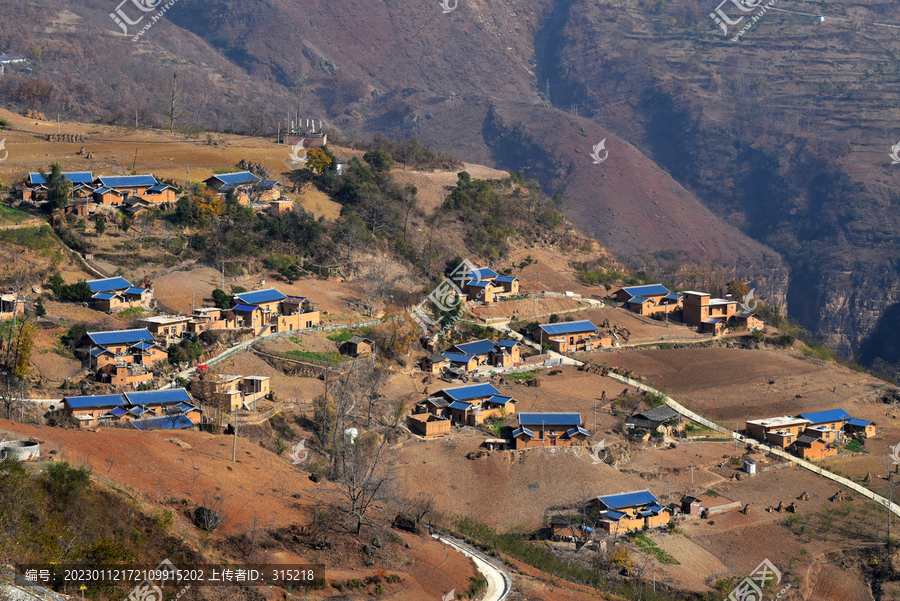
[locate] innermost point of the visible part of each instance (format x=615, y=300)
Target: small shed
x=691, y=506
x=434, y=364
x=359, y=346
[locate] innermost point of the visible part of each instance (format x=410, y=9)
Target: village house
x=663, y=419
x=211, y=318
x=691, y=506
x=435, y=364
x=468, y=405
x=568, y=336
x=11, y=304
x=648, y=299
x=630, y=511
x=159, y=194
x=166, y=328
x=35, y=187
x=112, y=408
x=125, y=376
x=127, y=185
x=124, y=346
x=246, y=184
x=487, y=286
x=270, y=311
x=229, y=391
x=502, y=354
x=461, y=361
x=777, y=431
x=827, y=425
x=812, y=447
x=549, y=429
x=106, y=196
x=707, y=314
x=117, y=294
x=860, y=428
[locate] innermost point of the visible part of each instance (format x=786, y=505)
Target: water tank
x=22, y=450
x=750, y=467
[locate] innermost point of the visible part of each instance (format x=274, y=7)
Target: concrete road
x=499, y=582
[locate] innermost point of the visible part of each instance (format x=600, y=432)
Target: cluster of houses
x=698, y=309
x=484, y=285
x=150, y=410
x=810, y=435
x=134, y=194
x=472, y=405
x=122, y=358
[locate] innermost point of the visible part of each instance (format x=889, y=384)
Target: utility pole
x=234, y=447
x=595, y=418
x=187, y=179
x=223, y=274
x=692, y=476
x=134, y=162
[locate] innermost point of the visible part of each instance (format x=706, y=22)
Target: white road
x=499, y=581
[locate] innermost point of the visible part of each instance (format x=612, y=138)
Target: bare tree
x=367, y=471
x=250, y=535
x=174, y=112
x=373, y=287
x=209, y=516
x=580, y=521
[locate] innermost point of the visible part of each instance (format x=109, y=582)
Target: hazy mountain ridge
x=772, y=152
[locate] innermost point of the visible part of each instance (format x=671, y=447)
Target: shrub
x=757, y=335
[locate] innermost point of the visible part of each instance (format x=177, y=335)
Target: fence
x=893, y=507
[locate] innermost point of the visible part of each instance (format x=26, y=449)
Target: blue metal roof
x=236, y=178
x=127, y=181
x=267, y=183
x=569, y=327
x=120, y=337
x=185, y=407
x=821, y=417
x=243, y=308
x=140, y=410
x=479, y=347
x=483, y=273
x=577, y=430
x=519, y=431
x=638, y=300
x=135, y=291
x=260, y=296
x=76, y=177
x=107, y=284
x=615, y=515
x=550, y=419
x=117, y=412
x=105, y=190
x=475, y=391
x=673, y=296
x=104, y=296
x=163, y=423
x=505, y=279
x=648, y=290
x=103, y=400
x=508, y=343
x=629, y=499
x=155, y=397
x=500, y=400
x=858, y=422
x=159, y=188
x=143, y=346
x=484, y=284
x=457, y=357
x=461, y=406
x=99, y=351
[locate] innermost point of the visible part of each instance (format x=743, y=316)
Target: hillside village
x=526, y=374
